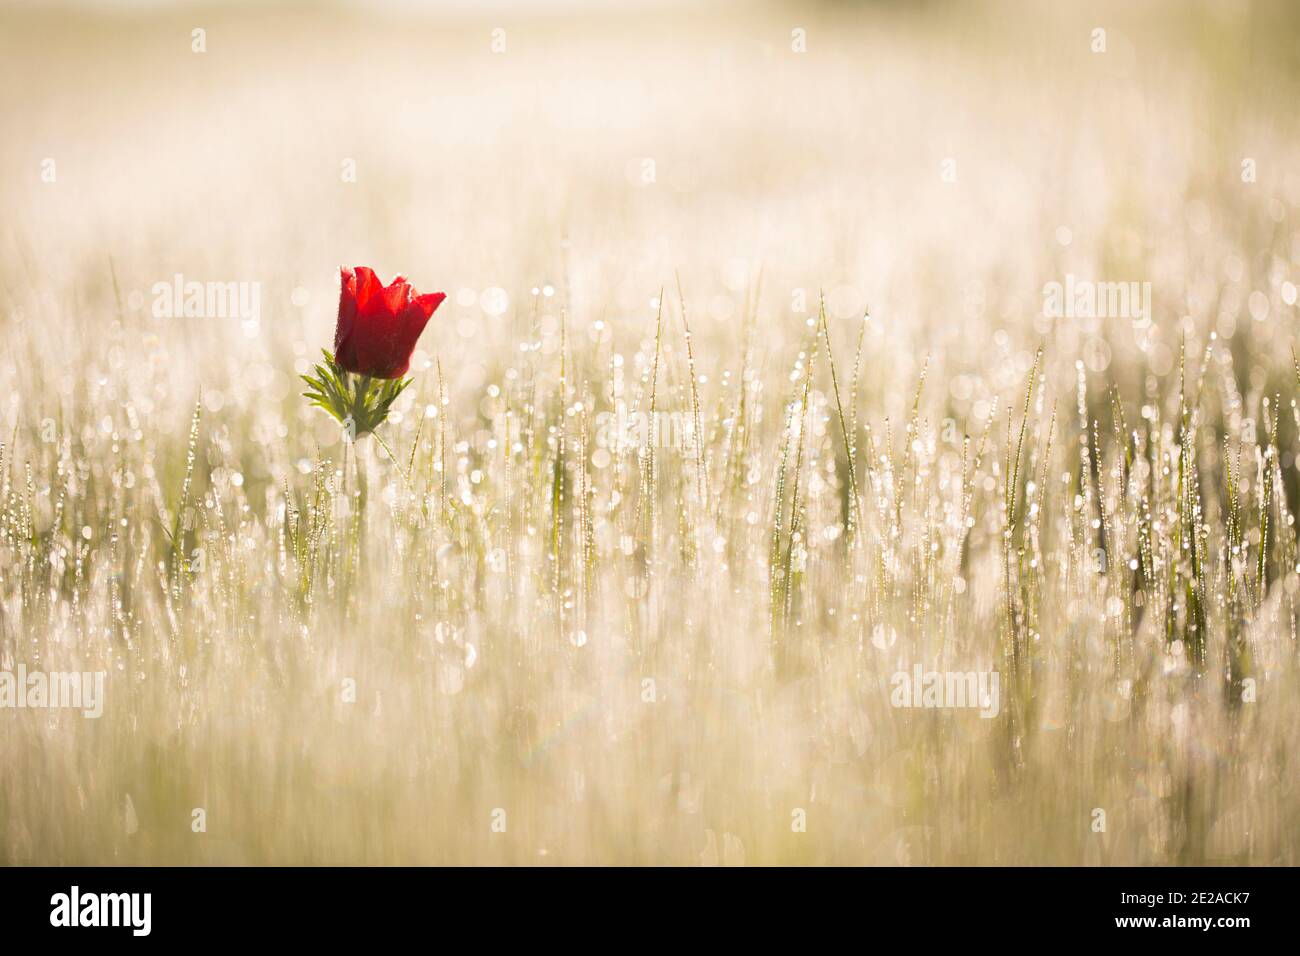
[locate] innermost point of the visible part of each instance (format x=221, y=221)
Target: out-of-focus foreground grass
x=677, y=651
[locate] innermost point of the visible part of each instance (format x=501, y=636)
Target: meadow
x=747, y=396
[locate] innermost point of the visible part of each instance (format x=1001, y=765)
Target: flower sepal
x=359, y=403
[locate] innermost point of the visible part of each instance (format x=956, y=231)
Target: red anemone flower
x=379, y=325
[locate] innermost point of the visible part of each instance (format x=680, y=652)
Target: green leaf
x=364, y=400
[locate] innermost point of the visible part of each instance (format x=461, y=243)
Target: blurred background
x=936, y=161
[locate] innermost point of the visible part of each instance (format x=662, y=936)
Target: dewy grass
x=345, y=653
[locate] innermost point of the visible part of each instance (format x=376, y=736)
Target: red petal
x=410, y=324
x=367, y=287
x=397, y=295
x=379, y=326
x=347, y=316
x=430, y=302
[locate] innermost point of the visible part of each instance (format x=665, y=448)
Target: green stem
x=359, y=392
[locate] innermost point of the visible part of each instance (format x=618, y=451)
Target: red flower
x=379, y=326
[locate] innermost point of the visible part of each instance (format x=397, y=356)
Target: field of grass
x=818, y=274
